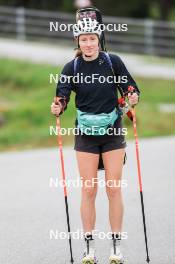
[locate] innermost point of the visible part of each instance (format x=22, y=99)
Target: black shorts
x=103, y=143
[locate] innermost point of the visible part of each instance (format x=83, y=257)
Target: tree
x=165, y=9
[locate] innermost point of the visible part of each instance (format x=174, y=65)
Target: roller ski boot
x=89, y=258
x=89, y=253
x=116, y=256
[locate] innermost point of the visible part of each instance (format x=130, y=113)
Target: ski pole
x=131, y=90
x=59, y=138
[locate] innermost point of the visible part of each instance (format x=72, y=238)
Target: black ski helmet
x=94, y=14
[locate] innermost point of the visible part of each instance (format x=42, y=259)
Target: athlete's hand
x=55, y=109
x=133, y=99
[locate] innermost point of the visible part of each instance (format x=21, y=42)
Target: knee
x=89, y=192
x=113, y=192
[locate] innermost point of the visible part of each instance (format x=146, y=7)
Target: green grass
x=26, y=95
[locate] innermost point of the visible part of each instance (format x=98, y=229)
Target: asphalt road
x=61, y=54
x=31, y=210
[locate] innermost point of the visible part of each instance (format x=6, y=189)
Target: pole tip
x=148, y=259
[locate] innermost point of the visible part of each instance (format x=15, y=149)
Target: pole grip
x=57, y=102
x=131, y=90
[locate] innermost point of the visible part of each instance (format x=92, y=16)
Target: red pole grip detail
x=131, y=89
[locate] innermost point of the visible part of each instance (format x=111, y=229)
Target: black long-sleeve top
x=94, y=97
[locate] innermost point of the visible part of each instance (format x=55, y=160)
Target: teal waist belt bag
x=95, y=124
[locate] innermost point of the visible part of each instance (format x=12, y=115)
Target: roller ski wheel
x=114, y=260
x=89, y=259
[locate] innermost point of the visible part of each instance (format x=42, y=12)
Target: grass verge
x=26, y=95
